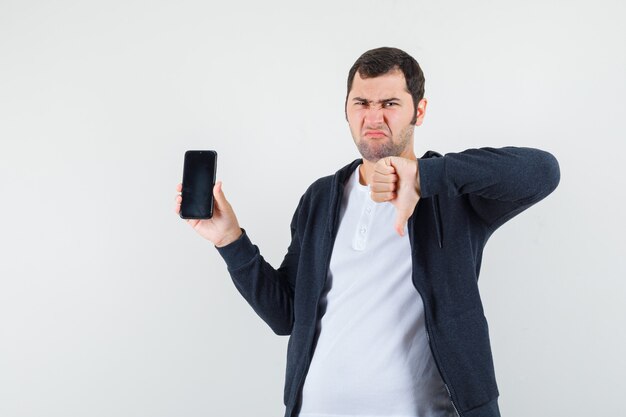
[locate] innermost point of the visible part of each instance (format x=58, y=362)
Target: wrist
x=229, y=238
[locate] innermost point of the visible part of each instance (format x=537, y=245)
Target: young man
x=378, y=289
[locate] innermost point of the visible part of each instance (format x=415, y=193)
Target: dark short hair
x=380, y=61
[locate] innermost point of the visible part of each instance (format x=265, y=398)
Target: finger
x=383, y=166
x=381, y=187
x=179, y=200
x=382, y=197
x=179, y=187
x=378, y=177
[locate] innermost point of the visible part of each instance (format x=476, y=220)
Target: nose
x=374, y=115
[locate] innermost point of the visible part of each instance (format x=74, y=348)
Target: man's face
x=380, y=111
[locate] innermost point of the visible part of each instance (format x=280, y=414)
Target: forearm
x=504, y=174
x=497, y=183
x=266, y=289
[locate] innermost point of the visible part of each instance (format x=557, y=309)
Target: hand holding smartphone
x=199, y=172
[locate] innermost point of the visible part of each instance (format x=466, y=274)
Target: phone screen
x=198, y=181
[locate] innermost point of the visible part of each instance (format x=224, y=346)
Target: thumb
x=401, y=221
x=220, y=198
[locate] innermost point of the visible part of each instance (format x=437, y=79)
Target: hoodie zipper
x=451, y=400
x=430, y=342
x=332, y=235
x=300, y=385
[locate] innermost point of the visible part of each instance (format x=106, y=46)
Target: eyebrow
x=379, y=101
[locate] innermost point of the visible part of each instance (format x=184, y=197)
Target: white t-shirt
x=372, y=357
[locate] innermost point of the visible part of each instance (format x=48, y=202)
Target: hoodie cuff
x=432, y=176
x=239, y=252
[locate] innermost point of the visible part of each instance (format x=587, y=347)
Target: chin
x=375, y=153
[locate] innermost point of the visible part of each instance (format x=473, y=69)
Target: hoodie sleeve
x=499, y=182
x=269, y=291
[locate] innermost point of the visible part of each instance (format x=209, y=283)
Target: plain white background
x=110, y=305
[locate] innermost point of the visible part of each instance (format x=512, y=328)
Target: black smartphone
x=198, y=180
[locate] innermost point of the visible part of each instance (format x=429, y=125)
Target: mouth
x=375, y=133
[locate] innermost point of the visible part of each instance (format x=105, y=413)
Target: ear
x=420, y=111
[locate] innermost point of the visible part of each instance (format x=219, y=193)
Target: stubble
x=375, y=149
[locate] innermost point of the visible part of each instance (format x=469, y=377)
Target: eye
x=390, y=103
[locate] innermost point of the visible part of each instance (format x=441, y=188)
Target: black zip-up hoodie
x=465, y=197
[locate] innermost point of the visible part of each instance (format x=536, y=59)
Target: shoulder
x=324, y=191
x=321, y=186
x=327, y=186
